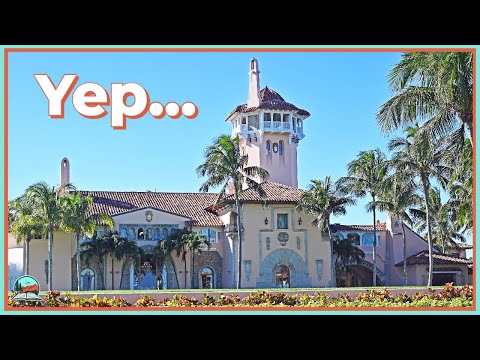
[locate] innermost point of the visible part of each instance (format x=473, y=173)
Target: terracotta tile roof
x=438, y=259
x=446, y=269
x=269, y=100
x=463, y=246
x=339, y=227
x=191, y=205
x=274, y=192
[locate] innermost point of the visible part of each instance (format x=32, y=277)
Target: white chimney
x=64, y=171
x=254, y=84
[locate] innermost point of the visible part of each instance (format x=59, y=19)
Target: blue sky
x=342, y=91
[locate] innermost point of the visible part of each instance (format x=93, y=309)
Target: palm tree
x=442, y=217
x=24, y=224
x=420, y=157
x=79, y=221
x=347, y=252
x=434, y=87
x=323, y=199
x=95, y=249
x=163, y=252
x=46, y=201
x=224, y=163
x=115, y=245
x=366, y=175
x=180, y=247
x=131, y=253
x=399, y=197
x=460, y=187
x=195, y=244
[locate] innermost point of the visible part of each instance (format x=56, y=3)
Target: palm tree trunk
x=113, y=283
x=404, y=254
x=193, y=270
x=374, y=254
x=100, y=274
x=50, y=258
x=122, y=277
x=77, y=241
x=239, y=233
x=333, y=274
x=174, y=271
x=185, y=270
x=429, y=231
x=27, y=256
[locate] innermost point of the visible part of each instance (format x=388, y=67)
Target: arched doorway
x=87, y=279
x=207, y=278
x=282, y=276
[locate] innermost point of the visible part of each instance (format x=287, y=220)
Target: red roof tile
x=274, y=192
x=191, y=205
x=339, y=227
x=438, y=259
x=269, y=100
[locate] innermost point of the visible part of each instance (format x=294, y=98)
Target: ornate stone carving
x=283, y=238
x=247, y=269
x=149, y=215
x=267, y=242
x=298, y=242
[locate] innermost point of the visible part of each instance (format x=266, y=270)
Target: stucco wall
x=63, y=244
x=300, y=253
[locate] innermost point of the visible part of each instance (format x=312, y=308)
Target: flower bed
x=449, y=296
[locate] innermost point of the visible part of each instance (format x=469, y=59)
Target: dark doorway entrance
x=282, y=276
x=440, y=279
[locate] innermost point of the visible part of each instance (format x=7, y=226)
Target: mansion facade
x=281, y=246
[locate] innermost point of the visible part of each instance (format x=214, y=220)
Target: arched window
x=252, y=64
x=367, y=239
x=149, y=234
x=87, y=279
x=355, y=237
x=268, y=147
x=207, y=278
x=280, y=148
x=123, y=232
x=156, y=234
x=140, y=234
x=131, y=233
x=164, y=233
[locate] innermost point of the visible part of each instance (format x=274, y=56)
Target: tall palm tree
x=366, y=175
x=95, y=249
x=419, y=156
x=195, y=244
x=79, y=221
x=180, y=247
x=433, y=87
x=224, y=163
x=399, y=197
x=46, y=201
x=24, y=224
x=442, y=217
x=347, y=252
x=323, y=199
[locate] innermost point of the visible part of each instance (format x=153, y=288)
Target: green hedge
x=449, y=296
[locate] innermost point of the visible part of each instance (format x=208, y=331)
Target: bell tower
x=270, y=130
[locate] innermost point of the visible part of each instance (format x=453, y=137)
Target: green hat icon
x=26, y=288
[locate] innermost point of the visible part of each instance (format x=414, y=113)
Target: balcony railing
x=286, y=125
x=277, y=124
x=267, y=124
